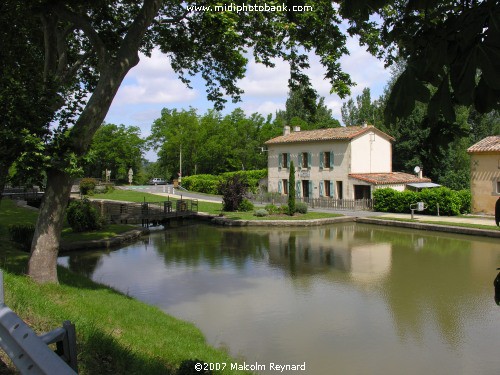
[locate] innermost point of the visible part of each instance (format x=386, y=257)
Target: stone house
x=341, y=163
x=485, y=174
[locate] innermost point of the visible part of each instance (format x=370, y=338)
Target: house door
x=305, y=189
x=340, y=190
x=362, y=192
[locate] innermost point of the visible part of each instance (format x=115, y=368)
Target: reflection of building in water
x=347, y=247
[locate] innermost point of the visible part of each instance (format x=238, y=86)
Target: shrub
x=87, y=186
x=245, y=206
x=82, y=216
x=450, y=202
x=261, y=212
x=301, y=207
x=283, y=209
x=22, y=234
x=272, y=209
x=251, y=177
x=233, y=191
x=202, y=183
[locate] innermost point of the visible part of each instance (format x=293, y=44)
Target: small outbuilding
x=485, y=174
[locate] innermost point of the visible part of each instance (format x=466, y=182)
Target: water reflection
x=356, y=291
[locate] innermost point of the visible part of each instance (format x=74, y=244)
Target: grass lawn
x=451, y=224
x=115, y=333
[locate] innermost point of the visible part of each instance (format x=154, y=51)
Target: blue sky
x=152, y=85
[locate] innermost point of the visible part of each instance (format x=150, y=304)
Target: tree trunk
x=45, y=247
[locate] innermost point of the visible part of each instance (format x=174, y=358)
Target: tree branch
x=83, y=23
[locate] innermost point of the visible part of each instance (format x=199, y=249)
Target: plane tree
x=96, y=43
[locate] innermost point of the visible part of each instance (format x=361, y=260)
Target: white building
x=342, y=163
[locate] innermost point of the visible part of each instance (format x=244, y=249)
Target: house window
x=284, y=160
x=304, y=160
x=498, y=186
x=285, y=187
x=326, y=159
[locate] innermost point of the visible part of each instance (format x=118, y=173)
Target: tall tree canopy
x=116, y=148
x=452, y=45
x=96, y=43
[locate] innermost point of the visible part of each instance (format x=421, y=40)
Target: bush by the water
x=301, y=208
x=233, y=191
x=451, y=202
x=22, y=234
x=83, y=217
x=261, y=212
x=87, y=186
x=245, y=206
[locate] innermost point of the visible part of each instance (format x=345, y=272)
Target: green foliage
x=22, y=234
x=450, y=202
x=87, y=186
x=245, y=206
x=252, y=177
x=202, y=183
x=116, y=148
x=261, y=212
x=82, y=216
x=301, y=207
x=272, y=209
x=233, y=191
x=291, y=190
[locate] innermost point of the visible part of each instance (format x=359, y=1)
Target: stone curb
x=431, y=227
x=104, y=243
x=282, y=223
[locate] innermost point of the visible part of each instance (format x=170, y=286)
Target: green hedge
x=209, y=184
x=451, y=202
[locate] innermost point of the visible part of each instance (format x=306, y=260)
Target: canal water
x=343, y=299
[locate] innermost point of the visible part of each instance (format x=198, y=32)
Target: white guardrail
x=30, y=353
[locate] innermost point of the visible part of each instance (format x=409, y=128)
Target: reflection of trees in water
x=84, y=263
x=430, y=280
x=197, y=244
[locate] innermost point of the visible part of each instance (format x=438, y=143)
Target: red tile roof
x=388, y=178
x=341, y=133
x=488, y=144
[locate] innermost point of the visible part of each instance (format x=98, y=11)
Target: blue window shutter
x=310, y=189
x=309, y=157
x=321, y=160
x=331, y=189
x=280, y=160
x=321, y=183
x=297, y=189
x=280, y=186
x=299, y=160
x=288, y=160
x=331, y=160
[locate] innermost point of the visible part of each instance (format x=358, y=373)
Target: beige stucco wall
x=377, y=158
x=371, y=153
x=485, y=173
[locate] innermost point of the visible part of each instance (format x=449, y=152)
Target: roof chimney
x=296, y=128
x=365, y=124
x=286, y=130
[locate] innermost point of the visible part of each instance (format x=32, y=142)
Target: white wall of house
x=371, y=153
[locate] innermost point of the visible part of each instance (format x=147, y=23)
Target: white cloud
x=261, y=81
x=153, y=81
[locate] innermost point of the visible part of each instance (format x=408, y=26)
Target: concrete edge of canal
x=432, y=227
x=104, y=243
